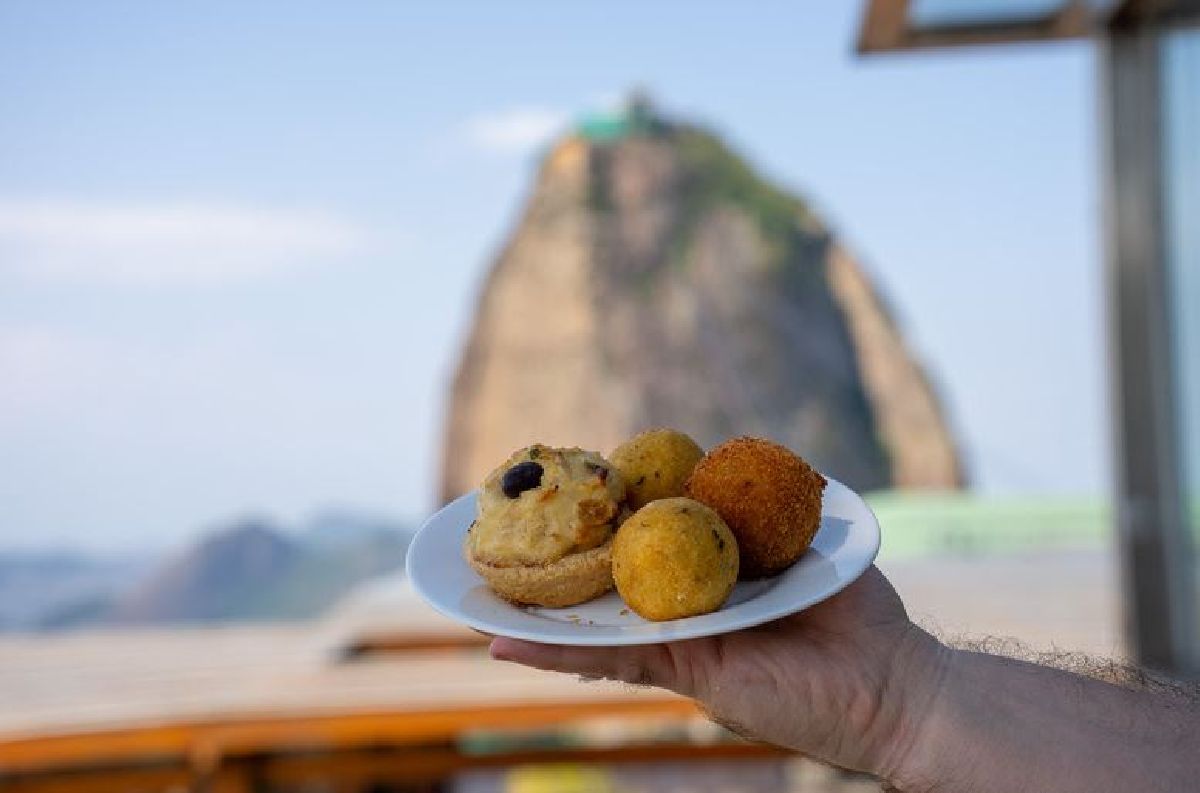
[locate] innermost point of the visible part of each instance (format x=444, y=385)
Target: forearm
x=999, y=725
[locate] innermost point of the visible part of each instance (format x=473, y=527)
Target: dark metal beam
x=1160, y=615
x=1133, y=14
x=886, y=28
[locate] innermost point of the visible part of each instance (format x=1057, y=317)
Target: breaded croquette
x=674, y=558
x=655, y=464
x=769, y=497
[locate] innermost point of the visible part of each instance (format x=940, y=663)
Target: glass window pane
x=1181, y=99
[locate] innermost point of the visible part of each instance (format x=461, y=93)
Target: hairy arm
x=853, y=682
x=999, y=724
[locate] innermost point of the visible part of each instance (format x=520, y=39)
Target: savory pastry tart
x=543, y=534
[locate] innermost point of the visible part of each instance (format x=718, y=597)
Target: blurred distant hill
x=248, y=569
x=252, y=569
x=60, y=589
x=654, y=278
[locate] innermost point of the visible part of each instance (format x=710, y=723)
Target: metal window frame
x=1157, y=567
x=885, y=28
x=1158, y=560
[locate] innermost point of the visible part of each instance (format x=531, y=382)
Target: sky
x=240, y=243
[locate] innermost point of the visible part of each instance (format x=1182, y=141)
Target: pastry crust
x=573, y=579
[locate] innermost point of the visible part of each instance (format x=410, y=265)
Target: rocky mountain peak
x=656, y=279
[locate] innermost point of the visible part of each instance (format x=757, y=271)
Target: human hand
x=848, y=681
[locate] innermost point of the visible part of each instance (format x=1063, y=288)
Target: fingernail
x=496, y=651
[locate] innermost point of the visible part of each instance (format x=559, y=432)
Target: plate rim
x=587, y=638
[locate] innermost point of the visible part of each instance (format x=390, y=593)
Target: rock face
x=655, y=279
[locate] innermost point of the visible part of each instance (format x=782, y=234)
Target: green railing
x=927, y=524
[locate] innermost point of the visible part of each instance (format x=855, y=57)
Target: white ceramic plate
x=844, y=547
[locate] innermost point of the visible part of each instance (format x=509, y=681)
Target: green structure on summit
x=635, y=117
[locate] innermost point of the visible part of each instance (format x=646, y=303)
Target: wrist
x=908, y=711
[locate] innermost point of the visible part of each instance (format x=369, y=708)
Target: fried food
x=543, y=531
x=655, y=464
x=674, y=558
x=769, y=497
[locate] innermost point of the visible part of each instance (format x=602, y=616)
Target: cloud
x=166, y=245
x=516, y=130
x=112, y=384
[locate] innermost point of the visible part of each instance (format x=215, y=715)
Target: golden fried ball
x=674, y=558
x=769, y=497
x=655, y=464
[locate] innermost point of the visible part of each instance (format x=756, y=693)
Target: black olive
x=521, y=477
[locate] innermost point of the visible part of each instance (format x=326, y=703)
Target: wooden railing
x=355, y=749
